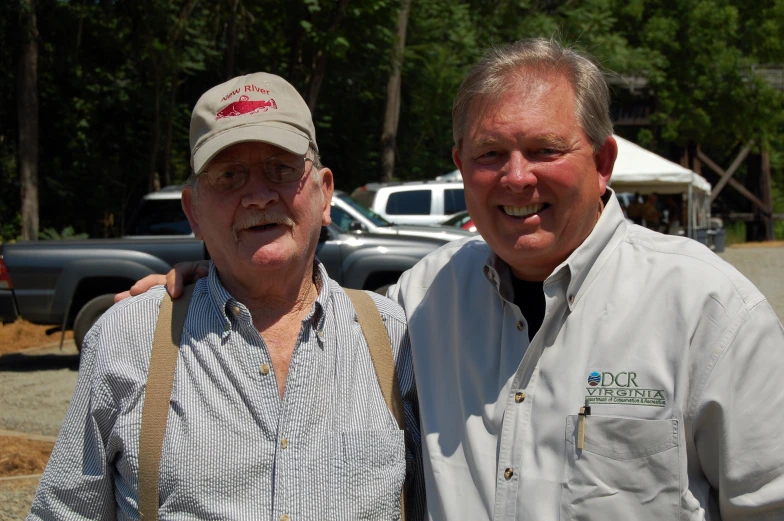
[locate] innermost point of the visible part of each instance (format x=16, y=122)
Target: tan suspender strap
x=380, y=348
x=160, y=378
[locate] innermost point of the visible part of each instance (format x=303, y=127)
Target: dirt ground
x=22, y=457
x=22, y=334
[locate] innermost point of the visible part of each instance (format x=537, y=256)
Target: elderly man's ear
x=191, y=212
x=605, y=160
x=327, y=188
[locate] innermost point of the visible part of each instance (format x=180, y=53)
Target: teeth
x=522, y=211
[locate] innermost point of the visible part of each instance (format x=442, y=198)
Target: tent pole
x=690, y=222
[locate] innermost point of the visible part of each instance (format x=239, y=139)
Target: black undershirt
x=529, y=297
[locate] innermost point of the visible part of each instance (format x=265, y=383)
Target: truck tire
x=89, y=315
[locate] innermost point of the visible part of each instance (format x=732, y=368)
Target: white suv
x=428, y=202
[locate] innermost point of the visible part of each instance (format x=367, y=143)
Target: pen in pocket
x=585, y=411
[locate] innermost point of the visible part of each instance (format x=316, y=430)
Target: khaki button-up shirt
x=678, y=356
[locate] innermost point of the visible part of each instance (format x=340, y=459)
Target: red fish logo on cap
x=246, y=106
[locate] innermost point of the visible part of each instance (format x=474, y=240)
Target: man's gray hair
x=500, y=66
x=193, y=179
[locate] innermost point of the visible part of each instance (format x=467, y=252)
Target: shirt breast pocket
x=369, y=469
x=628, y=469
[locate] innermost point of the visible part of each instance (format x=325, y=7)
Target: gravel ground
x=36, y=386
x=765, y=268
x=16, y=497
x=35, y=389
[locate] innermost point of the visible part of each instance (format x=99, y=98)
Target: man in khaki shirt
x=570, y=365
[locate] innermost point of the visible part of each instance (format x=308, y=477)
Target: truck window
x=159, y=217
x=454, y=201
x=410, y=202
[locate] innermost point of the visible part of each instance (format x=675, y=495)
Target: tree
x=117, y=80
x=28, y=119
x=392, y=112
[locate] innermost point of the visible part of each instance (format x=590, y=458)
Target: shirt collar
x=587, y=260
x=499, y=274
x=582, y=265
x=226, y=306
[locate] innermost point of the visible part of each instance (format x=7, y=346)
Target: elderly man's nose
x=259, y=191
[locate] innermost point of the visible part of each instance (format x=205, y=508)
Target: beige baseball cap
x=257, y=107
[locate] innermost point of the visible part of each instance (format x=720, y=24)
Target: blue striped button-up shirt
x=234, y=449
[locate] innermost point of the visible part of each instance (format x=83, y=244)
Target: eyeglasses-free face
x=228, y=176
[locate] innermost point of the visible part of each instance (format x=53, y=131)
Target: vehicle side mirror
x=356, y=226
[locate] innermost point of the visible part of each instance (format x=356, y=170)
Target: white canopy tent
x=641, y=171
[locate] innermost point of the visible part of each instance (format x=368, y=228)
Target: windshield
x=159, y=217
x=457, y=220
x=367, y=212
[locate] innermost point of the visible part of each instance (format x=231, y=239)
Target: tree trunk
x=231, y=44
x=154, y=179
x=167, y=178
x=320, y=63
x=28, y=120
x=316, y=79
x=167, y=58
x=755, y=229
x=392, y=113
x=295, y=54
x=767, y=194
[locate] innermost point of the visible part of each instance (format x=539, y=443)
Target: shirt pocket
x=369, y=469
x=628, y=469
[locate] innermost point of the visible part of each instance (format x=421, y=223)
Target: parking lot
x=36, y=384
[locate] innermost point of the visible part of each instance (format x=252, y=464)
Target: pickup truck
x=70, y=284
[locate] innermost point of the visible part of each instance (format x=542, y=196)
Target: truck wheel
x=88, y=315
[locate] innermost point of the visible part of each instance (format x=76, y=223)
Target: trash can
x=719, y=240
x=700, y=235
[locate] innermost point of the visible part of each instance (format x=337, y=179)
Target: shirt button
x=284, y=443
x=285, y=517
x=320, y=334
x=508, y=473
x=519, y=397
x=571, y=299
x=236, y=310
x=520, y=326
x=264, y=369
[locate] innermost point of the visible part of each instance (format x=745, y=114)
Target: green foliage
x=736, y=232
x=66, y=234
x=118, y=79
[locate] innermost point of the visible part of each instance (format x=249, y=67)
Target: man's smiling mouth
x=523, y=211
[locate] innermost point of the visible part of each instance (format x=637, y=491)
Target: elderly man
x=275, y=412
x=574, y=366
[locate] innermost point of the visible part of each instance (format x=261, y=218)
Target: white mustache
x=260, y=219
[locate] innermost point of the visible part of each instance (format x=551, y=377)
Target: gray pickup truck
x=70, y=284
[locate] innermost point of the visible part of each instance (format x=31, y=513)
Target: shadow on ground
x=24, y=362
